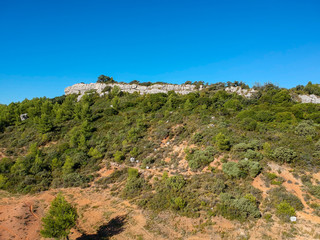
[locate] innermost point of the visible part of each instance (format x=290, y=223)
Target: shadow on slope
x=113, y=227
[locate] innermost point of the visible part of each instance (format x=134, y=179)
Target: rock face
x=248, y=93
x=24, y=116
x=309, y=98
x=81, y=88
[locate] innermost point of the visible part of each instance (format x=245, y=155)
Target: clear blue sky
x=48, y=45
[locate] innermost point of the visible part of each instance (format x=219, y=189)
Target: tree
x=223, y=142
x=62, y=216
x=45, y=124
x=105, y=79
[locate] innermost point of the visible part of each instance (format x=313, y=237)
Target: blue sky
x=46, y=46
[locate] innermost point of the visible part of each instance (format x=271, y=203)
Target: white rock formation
x=81, y=88
x=309, y=98
x=248, y=93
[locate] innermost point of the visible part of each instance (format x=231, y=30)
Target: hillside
x=207, y=163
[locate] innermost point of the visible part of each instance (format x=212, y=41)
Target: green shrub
x=134, y=152
x=178, y=203
x=251, y=168
x=147, y=162
x=317, y=146
x=284, y=155
x=200, y=158
x=253, y=155
x=314, y=190
x=62, y=216
x=264, y=116
x=241, y=147
x=285, y=117
x=232, y=170
x=197, y=138
x=3, y=180
x=280, y=194
x=118, y=156
x=242, y=169
x=94, y=153
x=249, y=124
x=176, y=183
x=134, y=184
x=223, y=142
x=237, y=208
x=285, y=211
x=305, y=129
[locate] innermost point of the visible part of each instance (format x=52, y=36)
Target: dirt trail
x=259, y=184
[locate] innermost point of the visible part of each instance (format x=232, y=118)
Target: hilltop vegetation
x=63, y=143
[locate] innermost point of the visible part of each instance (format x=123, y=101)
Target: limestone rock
x=81, y=88
x=248, y=93
x=309, y=98
x=24, y=116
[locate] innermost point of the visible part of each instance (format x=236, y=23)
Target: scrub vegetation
x=63, y=143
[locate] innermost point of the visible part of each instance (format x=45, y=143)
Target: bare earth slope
x=103, y=216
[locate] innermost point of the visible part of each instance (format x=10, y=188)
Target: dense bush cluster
x=242, y=169
x=237, y=208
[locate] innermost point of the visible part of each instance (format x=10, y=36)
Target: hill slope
x=216, y=162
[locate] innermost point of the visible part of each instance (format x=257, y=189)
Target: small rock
x=24, y=116
x=293, y=219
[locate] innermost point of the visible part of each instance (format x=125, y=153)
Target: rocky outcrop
x=309, y=98
x=100, y=88
x=248, y=93
x=24, y=116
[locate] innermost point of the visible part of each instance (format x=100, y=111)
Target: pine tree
x=59, y=220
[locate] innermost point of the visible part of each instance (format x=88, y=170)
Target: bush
x=249, y=124
x=242, y=169
x=264, y=116
x=94, y=153
x=178, y=203
x=314, y=190
x=197, y=138
x=285, y=211
x=232, y=170
x=253, y=155
x=284, y=155
x=317, y=145
x=3, y=180
x=250, y=167
x=285, y=117
x=60, y=219
x=134, y=184
x=176, y=183
x=223, y=142
x=280, y=194
x=241, y=147
x=305, y=129
x=237, y=208
x=199, y=158
x=119, y=156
